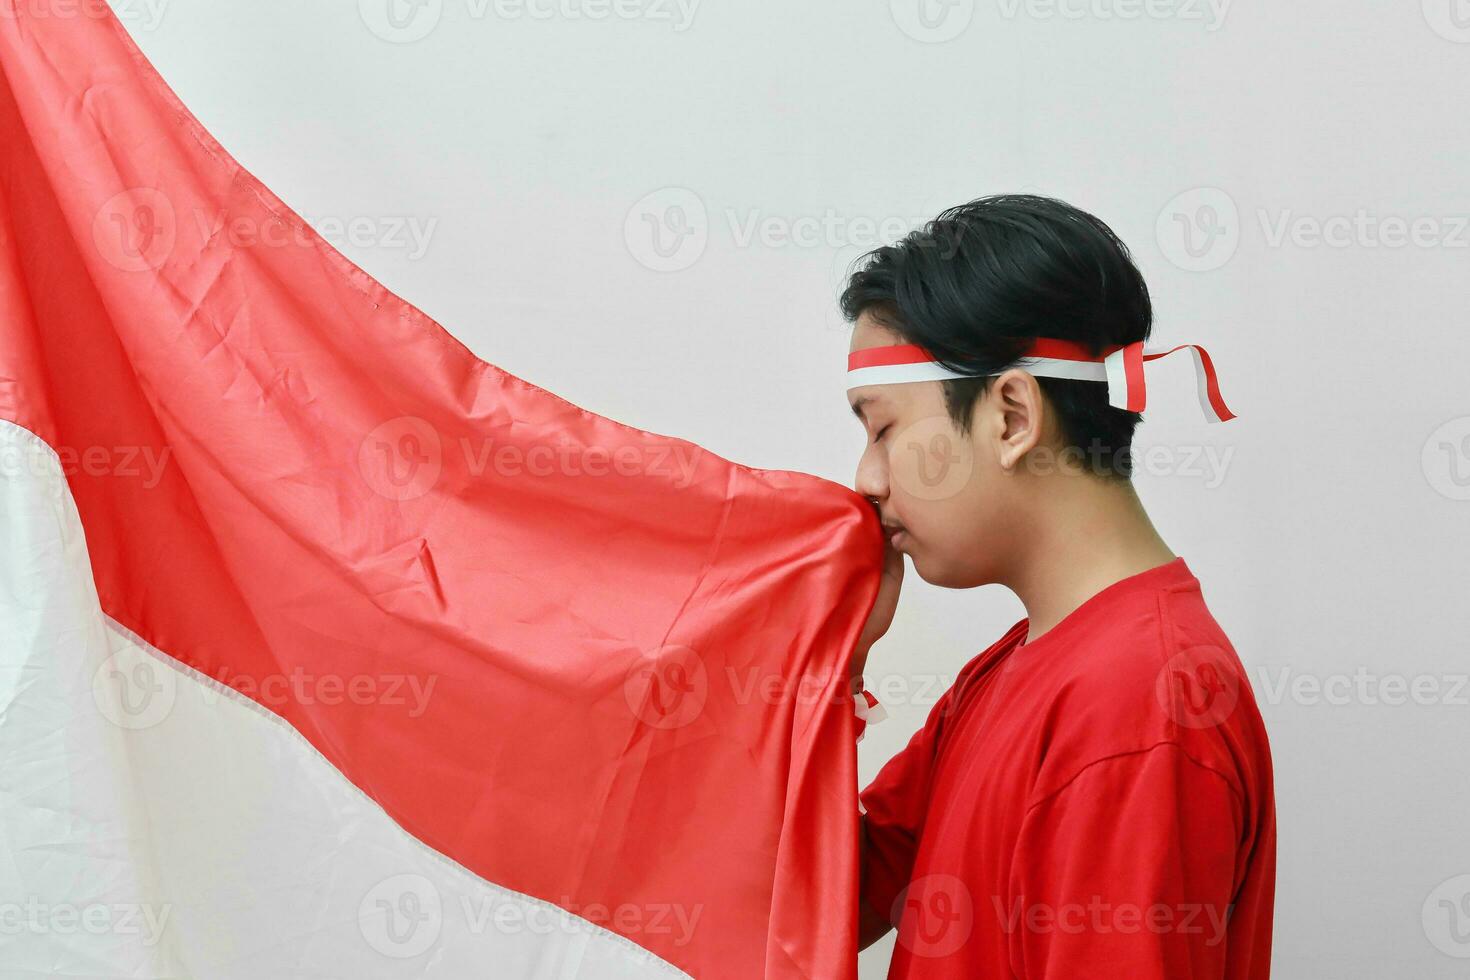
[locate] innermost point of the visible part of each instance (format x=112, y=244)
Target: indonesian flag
x=329, y=650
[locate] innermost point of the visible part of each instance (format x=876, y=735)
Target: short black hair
x=980, y=281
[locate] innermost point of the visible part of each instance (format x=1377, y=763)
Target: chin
x=948, y=574
x=933, y=571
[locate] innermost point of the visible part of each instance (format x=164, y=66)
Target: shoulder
x=1157, y=671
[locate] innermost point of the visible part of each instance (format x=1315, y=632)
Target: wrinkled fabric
x=636, y=651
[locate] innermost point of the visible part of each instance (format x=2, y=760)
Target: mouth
x=894, y=532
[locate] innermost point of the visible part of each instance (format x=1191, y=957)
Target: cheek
x=959, y=540
x=952, y=500
x=930, y=464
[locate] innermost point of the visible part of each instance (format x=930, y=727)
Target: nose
x=872, y=474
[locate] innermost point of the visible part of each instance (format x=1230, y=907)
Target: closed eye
x=879, y=436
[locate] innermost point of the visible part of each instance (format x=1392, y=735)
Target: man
x=1093, y=795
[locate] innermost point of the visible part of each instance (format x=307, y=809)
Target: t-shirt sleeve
x=895, y=804
x=1127, y=870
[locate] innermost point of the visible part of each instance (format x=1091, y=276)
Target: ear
x=1020, y=414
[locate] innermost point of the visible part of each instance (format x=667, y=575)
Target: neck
x=1092, y=535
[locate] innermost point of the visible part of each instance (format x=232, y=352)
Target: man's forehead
x=868, y=332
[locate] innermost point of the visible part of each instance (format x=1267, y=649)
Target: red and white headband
x=1120, y=367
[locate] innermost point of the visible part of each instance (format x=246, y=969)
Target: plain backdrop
x=648, y=208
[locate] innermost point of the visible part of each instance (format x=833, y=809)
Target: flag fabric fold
x=332, y=650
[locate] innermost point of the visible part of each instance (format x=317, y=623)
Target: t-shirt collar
x=1171, y=574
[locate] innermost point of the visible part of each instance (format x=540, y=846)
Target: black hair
x=979, y=282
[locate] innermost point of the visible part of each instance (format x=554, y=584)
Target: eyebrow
x=857, y=406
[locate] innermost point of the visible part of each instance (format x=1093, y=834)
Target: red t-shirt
x=1097, y=803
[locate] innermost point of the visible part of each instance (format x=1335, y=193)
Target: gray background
x=649, y=213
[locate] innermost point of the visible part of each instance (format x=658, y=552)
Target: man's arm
x=871, y=926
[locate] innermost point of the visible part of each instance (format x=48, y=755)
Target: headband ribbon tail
x=1127, y=388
